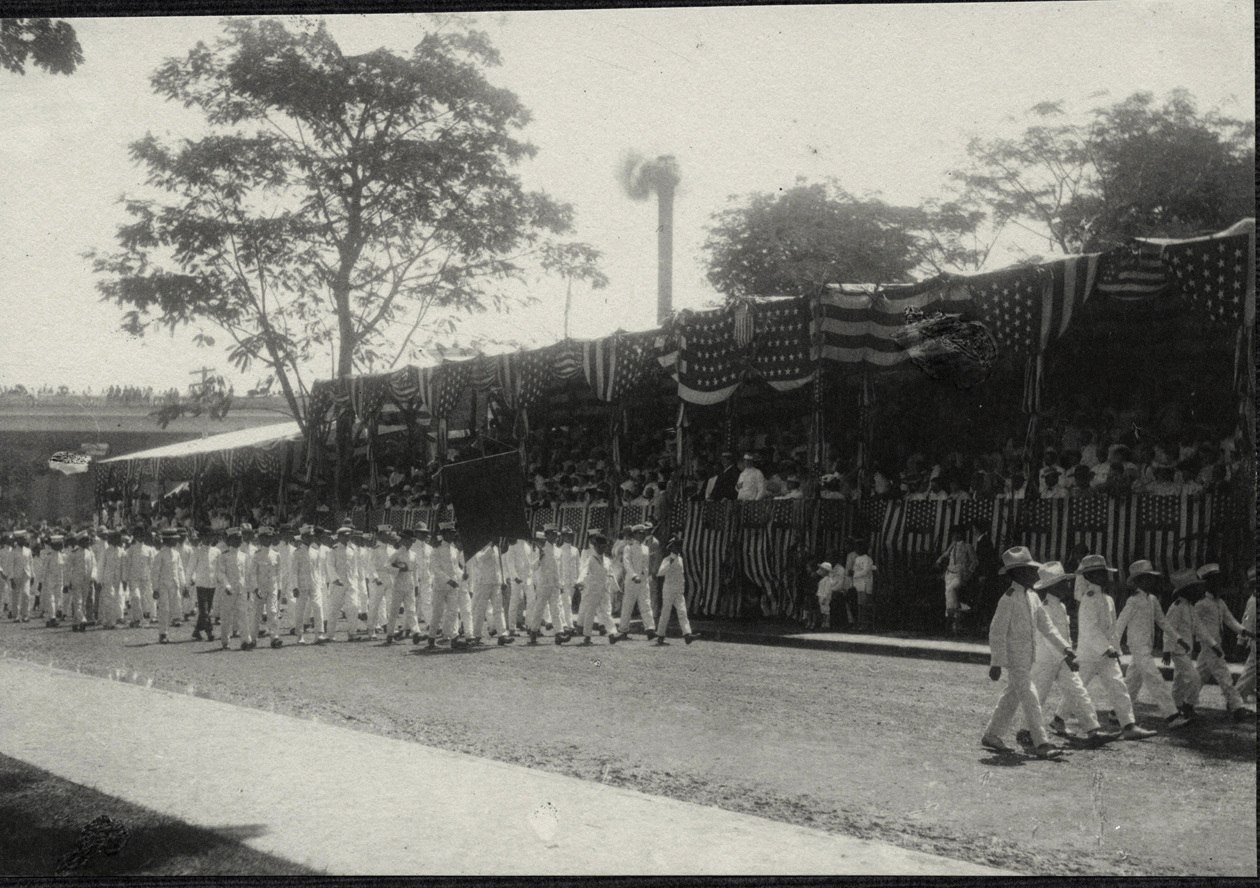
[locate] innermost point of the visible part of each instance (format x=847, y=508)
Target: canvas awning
x=258, y=448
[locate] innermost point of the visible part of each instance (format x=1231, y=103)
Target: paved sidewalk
x=784, y=633
x=372, y=805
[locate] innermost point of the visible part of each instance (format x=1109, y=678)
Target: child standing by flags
x=1139, y=617
x=830, y=582
x=959, y=561
x=863, y=576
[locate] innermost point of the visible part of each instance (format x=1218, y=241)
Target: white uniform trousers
x=566, y=609
x=249, y=617
x=518, y=602
x=1108, y=672
x=141, y=601
x=639, y=593
x=405, y=600
x=164, y=600
x=449, y=605
x=595, y=601
x=269, y=604
x=229, y=613
x=424, y=604
x=1046, y=672
x=1185, y=683
x=379, y=611
x=308, y=606
x=1210, y=664
x=20, y=604
x=110, y=605
x=953, y=582
x=1018, y=693
x=1246, y=686
x=341, y=599
x=483, y=596
x=1144, y=672
x=79, y=596
x=544, y=598
x=675, y=601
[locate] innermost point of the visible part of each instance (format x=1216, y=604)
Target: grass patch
x=50, y=826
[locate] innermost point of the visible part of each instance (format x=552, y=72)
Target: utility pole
x=202, y=393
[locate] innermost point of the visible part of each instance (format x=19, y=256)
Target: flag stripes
x=859, y=324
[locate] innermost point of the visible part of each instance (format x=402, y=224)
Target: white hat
x=1017, y=556
x=1051, y=574
x=823, y=569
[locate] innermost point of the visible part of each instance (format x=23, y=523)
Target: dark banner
x=488, y=497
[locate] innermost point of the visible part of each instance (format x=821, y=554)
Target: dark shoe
x=563, y=639
x=1047, y=751
x=994, y=743
x=613, y=639
x=692, y=637
x=293, y=630
x=548, y=626
x=415, y=638
x=432, y=643
x=196, y=636
x=494, y=632
x=275, y=643
x=503, y=639
x=1134, y=732
x=660, y=640
x=586, y=640
x=1024, y=737
x=651, y=634
x=209, y=636
x=533, y=638
x=162, y=638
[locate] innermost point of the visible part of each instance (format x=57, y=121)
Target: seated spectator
x=1162, y=483
x=792, y=489
x=1052, y=488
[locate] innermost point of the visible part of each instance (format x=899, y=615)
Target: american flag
x=1132, y=273
x=866, y=420
x=1009, y=302
x=565, y=358
x=708, y=372
x=617, y=364
x=450, y=381
x=1072, y=281
x=530, y=375
x=859, y=322
x=745, y=326
x=782, y=352
x=404, y=385
x=1212, y=274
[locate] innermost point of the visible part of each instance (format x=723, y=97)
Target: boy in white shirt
x=1211, y=614
x=1098, y=643
x=673, y=592
x=1139, y=617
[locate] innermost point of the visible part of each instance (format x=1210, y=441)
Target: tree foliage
x=1137, y=167
x=335, y=202
x=798, y=240
x=212, y=398
x=45, y=43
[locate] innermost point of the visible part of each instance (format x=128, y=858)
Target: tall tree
x=52, y=46
x=1138, y=167
x=798, y=240
x=335, y=201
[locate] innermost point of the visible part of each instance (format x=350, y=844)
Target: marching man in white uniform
x=518, y=573
x=485, y=569
x=341, y=576
x=568, y=560
x=379, y=577
x=54, y=584
x=168, y=580
x=422, y=549
x=593, y=580
x=1099, y=643
x=673, y=592
x=307, y=590
x=1211, y=614
x=110, y=597
x=638, y=583
x=447, y=570
x=546, y=581
x=264, y=580
x=233, y=568
x=138, y=574
x=1181, y=620
x=21, y=574
x=80, y=568
x=402, y=572
x=1139, y=617
x=1012, y=644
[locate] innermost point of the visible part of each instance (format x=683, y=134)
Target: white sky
x=882, y=97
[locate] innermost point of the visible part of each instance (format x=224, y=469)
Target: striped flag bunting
x=404, y=385
x=859, y=323
x=769, y=542
x=1132, y=273
x=617, y=364
x=1072, y=280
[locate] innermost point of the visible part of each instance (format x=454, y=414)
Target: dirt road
x=876, y=747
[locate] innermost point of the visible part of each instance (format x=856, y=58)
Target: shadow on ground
x=54, y=827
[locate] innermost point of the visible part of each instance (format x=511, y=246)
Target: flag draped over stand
x=487, y=496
